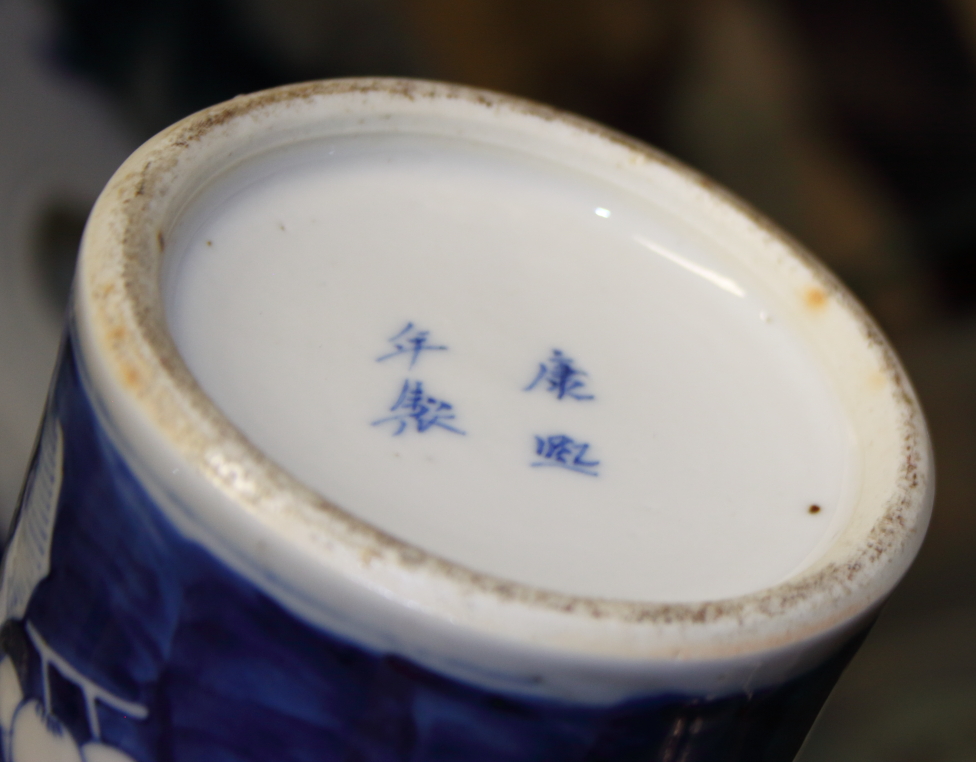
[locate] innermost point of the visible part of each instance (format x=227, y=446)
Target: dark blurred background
x=852, y=123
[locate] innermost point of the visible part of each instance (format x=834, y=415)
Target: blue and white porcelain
x=178, y=588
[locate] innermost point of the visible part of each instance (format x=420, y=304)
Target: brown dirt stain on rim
x=140, y=265
x=200, y=124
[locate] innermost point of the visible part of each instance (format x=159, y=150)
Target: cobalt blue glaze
x=561, y=378
x=410, y=341
x=425, y=411
x=196, y=664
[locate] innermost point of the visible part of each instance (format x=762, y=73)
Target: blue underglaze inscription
x=411, y=341
x=561, y=451
x=414, y=407
x=558, y=376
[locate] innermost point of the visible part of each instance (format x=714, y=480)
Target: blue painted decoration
x=123, y=639
x=561, y=451
x=559, y=377
x=410, y=341
x=414, y=407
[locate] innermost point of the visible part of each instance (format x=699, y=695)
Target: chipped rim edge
x=119, y=314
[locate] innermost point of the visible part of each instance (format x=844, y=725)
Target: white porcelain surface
x=685, y=430
x=359, y=578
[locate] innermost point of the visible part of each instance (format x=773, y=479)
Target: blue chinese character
x=415, y=407
x=410, y=341
x=561, y=451
x=561, y=378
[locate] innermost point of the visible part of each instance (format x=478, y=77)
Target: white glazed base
x=341, y=573
x=685, y=430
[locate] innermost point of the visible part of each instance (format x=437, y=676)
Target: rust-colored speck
x=815, y=298
x=131, y=377
x=814, y=508
x=160, y=240
x=878, y=381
